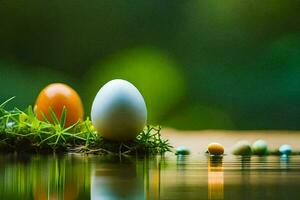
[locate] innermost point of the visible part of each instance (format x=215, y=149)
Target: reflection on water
x=42, y=178
x=215, y=178
x=172, y=177
x=109, y=179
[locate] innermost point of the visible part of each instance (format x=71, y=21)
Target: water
x=170, y=177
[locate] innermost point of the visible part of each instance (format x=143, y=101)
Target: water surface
x=170, y=177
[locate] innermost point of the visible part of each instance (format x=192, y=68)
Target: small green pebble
x=285, y=149
x=182, y=150
x=242, y=148
x=260, y=147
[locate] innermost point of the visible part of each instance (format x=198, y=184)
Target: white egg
x=119, y=111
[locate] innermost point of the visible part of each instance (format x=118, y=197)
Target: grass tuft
x=22, y=131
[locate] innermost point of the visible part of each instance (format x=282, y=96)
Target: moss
x=21, y=131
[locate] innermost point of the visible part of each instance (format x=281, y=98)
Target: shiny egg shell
x=119, y=111
x=57, y=96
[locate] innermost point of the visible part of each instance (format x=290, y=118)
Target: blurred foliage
x=201, y=116
x=26, y=82
x=151, y=71
x=199, y=64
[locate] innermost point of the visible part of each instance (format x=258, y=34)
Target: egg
x=182, y=150
x=285, y=149
x=260, y=147
x=242, y=147
x=57, y=96
x=119, y=111
x=215, y=149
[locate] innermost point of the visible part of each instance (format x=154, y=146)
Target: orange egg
x=57, y=96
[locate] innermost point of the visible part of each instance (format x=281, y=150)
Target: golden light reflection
x=152, y=178
x=215, y=178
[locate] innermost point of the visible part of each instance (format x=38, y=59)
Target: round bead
x=215, y=149
x=285, y=149
x=182, y=150
x=242, y=148
x=260, y=147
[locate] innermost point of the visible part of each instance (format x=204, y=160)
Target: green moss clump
x=21, y=131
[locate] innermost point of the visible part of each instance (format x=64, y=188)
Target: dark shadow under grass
x=23, y=132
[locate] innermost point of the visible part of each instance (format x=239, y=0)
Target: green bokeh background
x=199, y=64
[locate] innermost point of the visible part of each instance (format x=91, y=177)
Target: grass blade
x=54, y=117
x=5, y=102
x=30, y=112
x=45, y=118
x=63, y=117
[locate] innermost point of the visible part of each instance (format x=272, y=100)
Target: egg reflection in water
x=215, y=178
x=116, y=179
x=127, y=179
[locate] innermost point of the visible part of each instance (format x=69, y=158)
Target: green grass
x=22, y=131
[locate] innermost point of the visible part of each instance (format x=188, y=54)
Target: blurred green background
x=199, y=64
